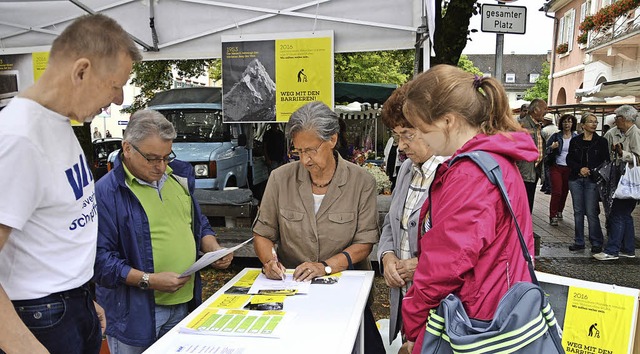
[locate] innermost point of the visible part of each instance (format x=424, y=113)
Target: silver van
x=217, y=151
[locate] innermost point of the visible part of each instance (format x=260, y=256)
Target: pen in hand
x=275, y=258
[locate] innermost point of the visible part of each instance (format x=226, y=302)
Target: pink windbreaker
x=472, y=248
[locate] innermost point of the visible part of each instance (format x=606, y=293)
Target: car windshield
x=196, y=126
x=102, y=149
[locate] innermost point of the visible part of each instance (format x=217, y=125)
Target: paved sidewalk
x=556, y=258
x=555, y=240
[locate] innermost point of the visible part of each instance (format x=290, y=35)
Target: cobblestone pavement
x=555, y=257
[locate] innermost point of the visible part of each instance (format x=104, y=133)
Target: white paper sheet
x=211, y=257
x=264, y=283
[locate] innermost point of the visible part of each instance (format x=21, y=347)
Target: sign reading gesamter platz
x=504, y=19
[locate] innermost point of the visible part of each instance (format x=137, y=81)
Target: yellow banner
x=597, y=322
x=304, y=73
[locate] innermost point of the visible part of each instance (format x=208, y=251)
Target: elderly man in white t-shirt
x=48, y=218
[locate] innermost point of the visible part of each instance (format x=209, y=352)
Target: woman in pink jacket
x=469, y=245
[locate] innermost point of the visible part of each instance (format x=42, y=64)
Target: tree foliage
x=389, y=67
x=541, y=88
x=467, y=65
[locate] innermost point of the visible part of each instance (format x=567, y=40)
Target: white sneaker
x=627, y=255
x=604, y=256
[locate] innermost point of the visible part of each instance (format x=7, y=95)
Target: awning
x=626, y=87
x=362, y=92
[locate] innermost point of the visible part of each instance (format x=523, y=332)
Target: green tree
x=155, y=76
x=541, y=88
x=467, y=65
x=389, y=67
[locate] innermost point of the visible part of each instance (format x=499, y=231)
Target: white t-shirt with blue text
x=48, y=200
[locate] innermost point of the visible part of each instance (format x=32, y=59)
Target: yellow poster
x=304, y=73
x=40, y=60
x=597, y=322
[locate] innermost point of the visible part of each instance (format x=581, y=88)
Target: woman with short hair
x=321, y=211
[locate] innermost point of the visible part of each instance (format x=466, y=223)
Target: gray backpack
x=523, y=322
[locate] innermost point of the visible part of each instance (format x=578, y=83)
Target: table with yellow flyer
x=326, y=319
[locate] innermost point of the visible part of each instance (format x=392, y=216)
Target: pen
x=275, y=257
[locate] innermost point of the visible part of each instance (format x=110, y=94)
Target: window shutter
x=571, y=19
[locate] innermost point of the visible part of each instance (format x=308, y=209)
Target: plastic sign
x=504, y=19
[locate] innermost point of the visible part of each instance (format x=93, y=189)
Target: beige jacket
x=348, y=214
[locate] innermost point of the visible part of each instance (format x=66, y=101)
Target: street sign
x=504, y=19
x=123, y=122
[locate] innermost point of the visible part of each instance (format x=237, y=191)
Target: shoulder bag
x=523, y=322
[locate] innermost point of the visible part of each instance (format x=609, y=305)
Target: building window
x=566, y=28
x=533, y=78
x=585, y=10
x=510, y=78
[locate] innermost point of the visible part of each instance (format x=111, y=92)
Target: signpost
x=502, y=19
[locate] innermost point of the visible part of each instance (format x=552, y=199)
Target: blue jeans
x=166, y=318
x=64, y=322
x=584, y=194
x=621, y=232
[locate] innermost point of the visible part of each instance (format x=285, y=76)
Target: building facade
x=520, y=71
x=595, y=41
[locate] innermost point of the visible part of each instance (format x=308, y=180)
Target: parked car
x=102, y=149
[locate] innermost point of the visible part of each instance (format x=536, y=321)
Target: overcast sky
x=536, y=40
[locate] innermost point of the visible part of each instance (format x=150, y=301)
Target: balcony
x=620, y=39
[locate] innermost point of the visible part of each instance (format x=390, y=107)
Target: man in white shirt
x=48, y=216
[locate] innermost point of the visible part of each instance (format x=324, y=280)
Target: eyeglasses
x=167, y=159
x=406, y=137
x=311, y=152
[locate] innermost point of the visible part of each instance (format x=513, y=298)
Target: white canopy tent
x=191, y=29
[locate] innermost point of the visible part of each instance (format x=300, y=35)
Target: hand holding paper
x=211, y=257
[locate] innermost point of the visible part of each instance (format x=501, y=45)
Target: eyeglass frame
x=311, y=152
x=408, y=138
x=167, y=159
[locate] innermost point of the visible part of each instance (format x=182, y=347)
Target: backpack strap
x=491, y=168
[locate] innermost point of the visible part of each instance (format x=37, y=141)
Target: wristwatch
x=327, y=268
x=144, y=281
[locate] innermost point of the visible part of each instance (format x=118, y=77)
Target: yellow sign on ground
x=597, y=322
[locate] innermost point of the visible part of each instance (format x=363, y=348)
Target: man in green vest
x=150, y=230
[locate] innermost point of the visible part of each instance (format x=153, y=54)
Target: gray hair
x=95, y=36
x=146, y=123
x=536, y=104
x=627, y=112
x=314, y=116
